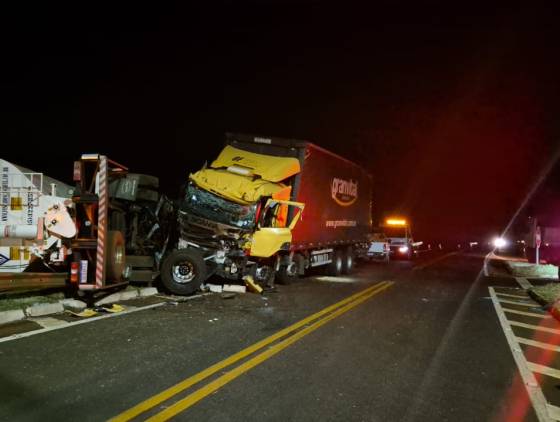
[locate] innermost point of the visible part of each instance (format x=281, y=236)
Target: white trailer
x=34, y=218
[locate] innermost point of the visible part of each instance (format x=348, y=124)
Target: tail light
x=74, y=269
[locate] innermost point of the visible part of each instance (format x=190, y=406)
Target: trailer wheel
x=116, y=256
x=335, y=267
x=183, y=271
x=348, y=261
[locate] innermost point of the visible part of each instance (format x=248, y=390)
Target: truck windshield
x=212, y=207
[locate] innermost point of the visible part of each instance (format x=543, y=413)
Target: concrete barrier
x=41, y=309
x=11, y=316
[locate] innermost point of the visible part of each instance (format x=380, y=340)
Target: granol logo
x=344, y=192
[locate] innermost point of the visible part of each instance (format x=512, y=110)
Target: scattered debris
x=234, y=288
x=86, y=313
x=228, y=295
x=215, y=288
x=251, y=285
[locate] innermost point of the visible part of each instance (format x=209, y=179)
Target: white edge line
x=93, y=319
x=485, y=265
x=523, y=282
x=553, y=411
x=533, y=390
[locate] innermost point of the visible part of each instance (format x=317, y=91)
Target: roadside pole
x=537, y=244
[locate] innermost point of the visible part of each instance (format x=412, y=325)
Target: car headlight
x=500, y=242
x=403, y=249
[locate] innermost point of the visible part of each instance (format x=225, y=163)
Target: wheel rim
x=183, y=272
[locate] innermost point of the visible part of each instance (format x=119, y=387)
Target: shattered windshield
x=207, y=205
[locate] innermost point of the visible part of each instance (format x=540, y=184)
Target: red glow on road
x=516, y=404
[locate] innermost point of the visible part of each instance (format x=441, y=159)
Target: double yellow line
x=305, y=326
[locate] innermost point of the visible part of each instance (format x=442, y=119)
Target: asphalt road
x=428, y=347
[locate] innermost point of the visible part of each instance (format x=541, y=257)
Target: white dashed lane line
x=523, y=282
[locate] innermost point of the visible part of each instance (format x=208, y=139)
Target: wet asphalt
x=429, y=348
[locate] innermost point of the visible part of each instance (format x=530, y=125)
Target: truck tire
x=348, y=261
x=335, y=267
x=183, y=271
x=116, y=256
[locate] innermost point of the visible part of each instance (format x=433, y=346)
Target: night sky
x=453, y=109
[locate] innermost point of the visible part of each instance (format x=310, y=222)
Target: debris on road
x=214, y=288
x=86, y=313
x=251, y=285
x=234, y=288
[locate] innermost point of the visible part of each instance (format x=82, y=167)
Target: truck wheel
x=335, y=267
x=348, y=261
x=116, y=256
x=183, y=271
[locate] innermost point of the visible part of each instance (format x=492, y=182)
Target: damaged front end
x=220, y=230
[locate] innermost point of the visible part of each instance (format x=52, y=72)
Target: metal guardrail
x=23, y=281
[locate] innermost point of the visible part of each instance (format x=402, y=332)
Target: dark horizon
x=451, y=111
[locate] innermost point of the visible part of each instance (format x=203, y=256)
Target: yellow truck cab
x=240, y=216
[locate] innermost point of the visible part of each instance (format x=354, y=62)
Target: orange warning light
x=395, y=222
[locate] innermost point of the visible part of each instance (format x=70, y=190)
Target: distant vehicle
x=400, y=239
x=378, y=247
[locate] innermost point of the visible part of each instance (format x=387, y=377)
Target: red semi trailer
x=336, y=222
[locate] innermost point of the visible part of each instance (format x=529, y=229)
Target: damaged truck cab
x=235, y=219
x=239, y=217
